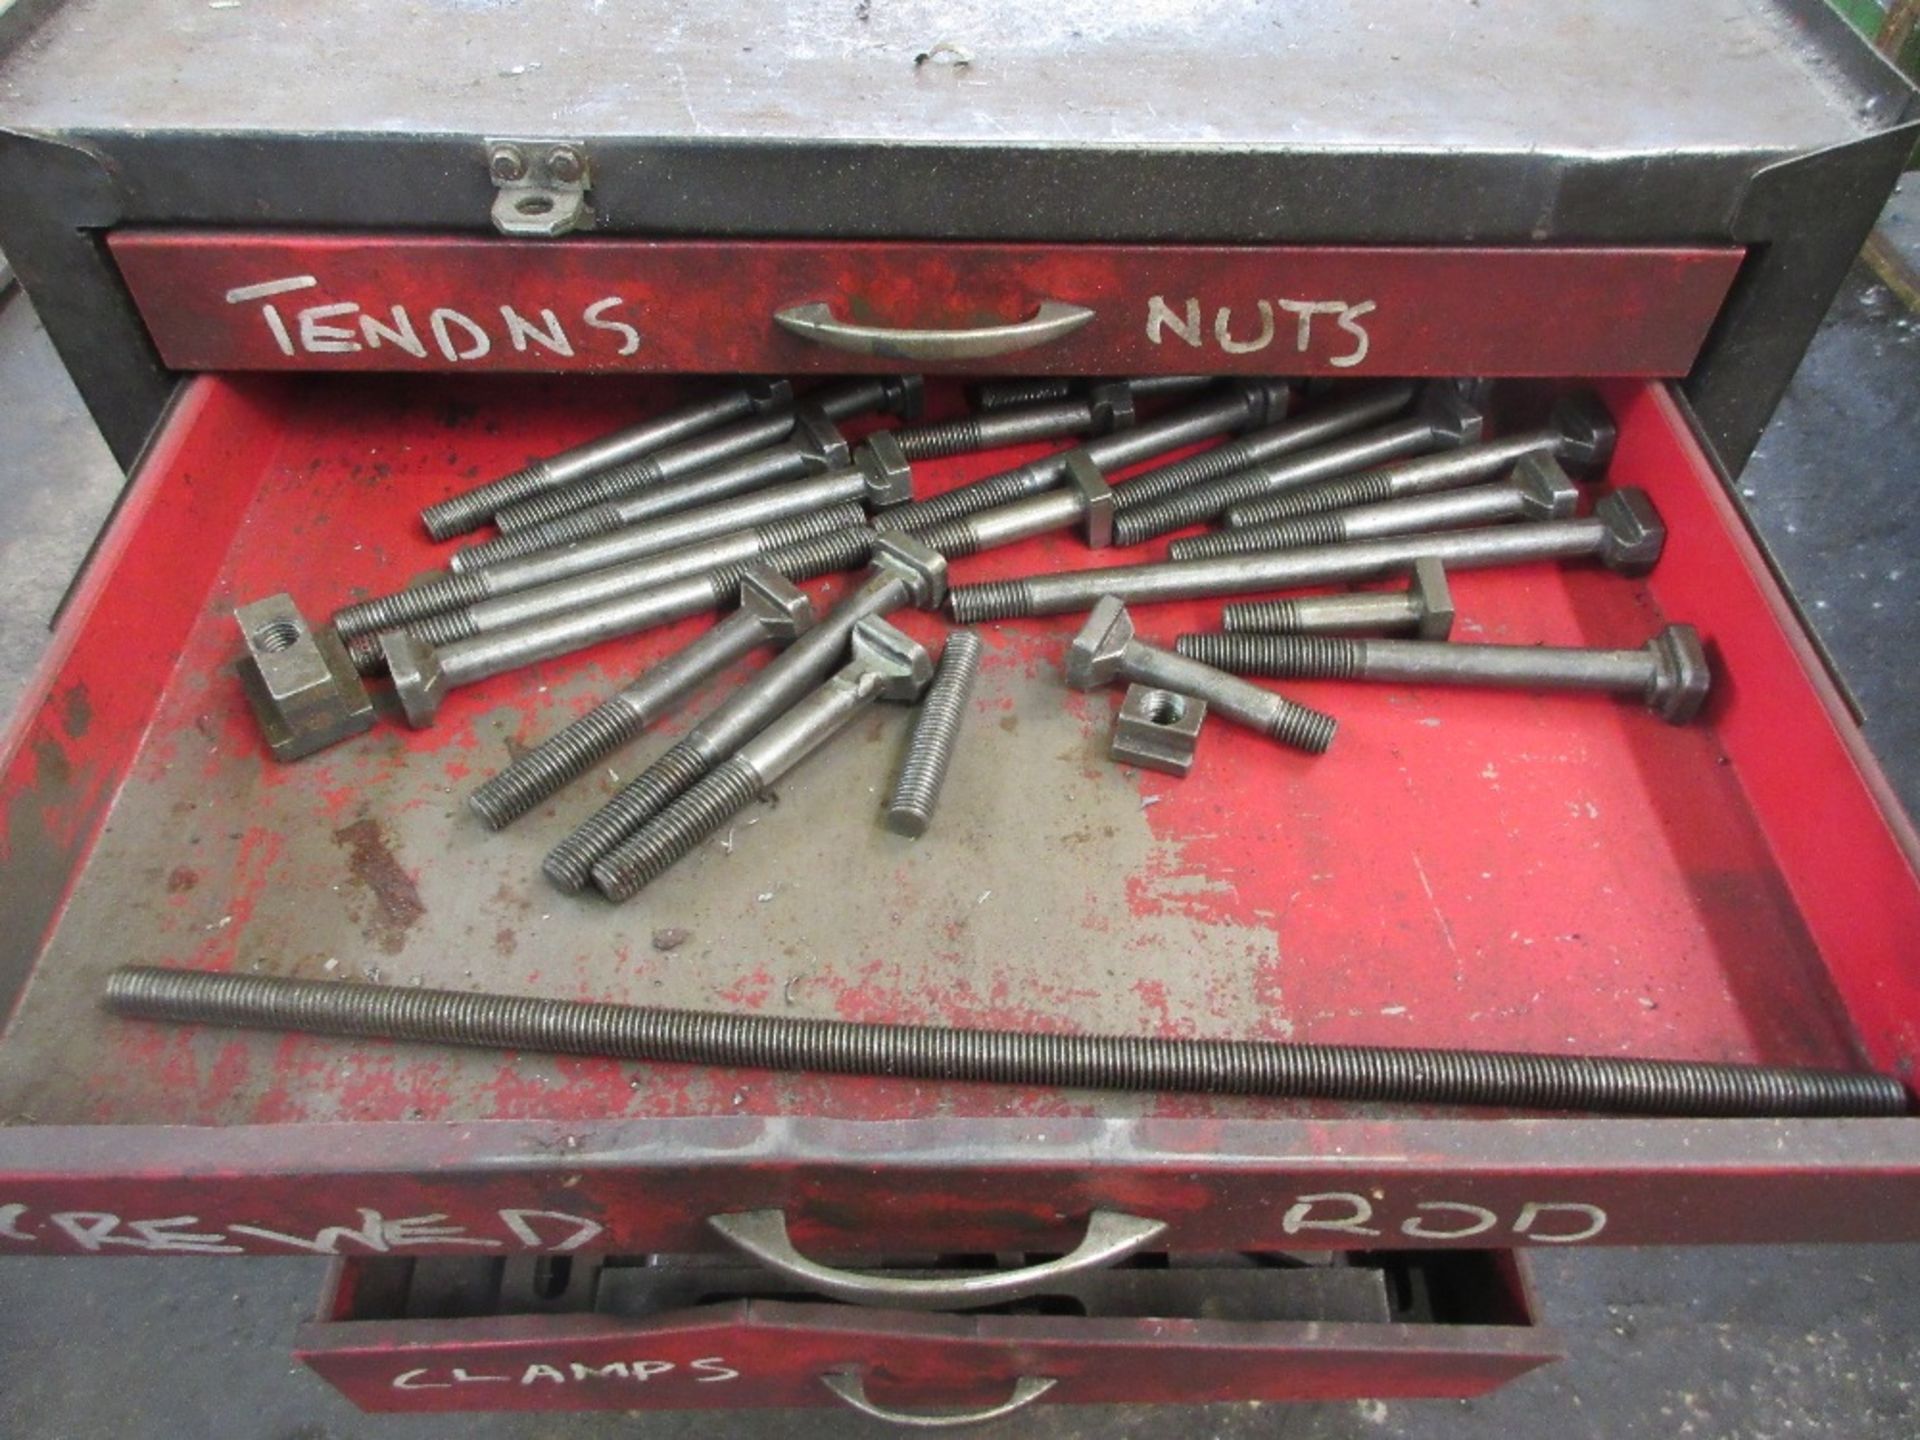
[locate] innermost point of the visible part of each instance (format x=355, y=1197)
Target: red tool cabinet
x=266, y=312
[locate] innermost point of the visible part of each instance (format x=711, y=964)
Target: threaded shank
x=992, y=600
x=778, y=534
x=550, y=536
x=1168, y=479
x=390, y=612
x=444, y=629
x=1302, y=727
x=1261, y=617
x=365, y=654
x=555, y=762
x=987, y=494
x=935, y=732
x=1367, y=488
x=1186, y=507
x=1278, y=656
x=1287, y=535
x=471, y=509
x=656, y=846
x=569, y=865
x=954, y=539
x=609, y=485
x=1005, y=394
x=818, y=555
x=930, y=442
x=1349, y=1073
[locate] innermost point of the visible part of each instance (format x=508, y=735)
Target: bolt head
x=419, y=682
x=766, y=393
x=1094, y=657
x=783, y=609
x=1096, y=494
x=1635, y=533
x=1682, y=675
x=1111, y=402
x=1432, y=598
x=819, y=440
x=898, y=663
x=922, y=567
x=906, y=396
x=889, y=476
x=1456, y=420
x=1545, y=488
x=564, y=164
x=1267, y=400
x=506, y=163
x=1587, y=433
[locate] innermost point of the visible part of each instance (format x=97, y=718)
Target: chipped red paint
x=706, y=305
x=1687, y=886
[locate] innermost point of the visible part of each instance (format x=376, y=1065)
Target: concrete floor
x=1805, y=1342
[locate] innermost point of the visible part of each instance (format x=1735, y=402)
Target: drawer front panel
x=759, y=1353
x=367, y=302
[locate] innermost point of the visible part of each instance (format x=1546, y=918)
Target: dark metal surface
x=1613, y=121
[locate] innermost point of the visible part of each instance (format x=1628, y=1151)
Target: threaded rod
x=1355, y=1073
x=935, y=732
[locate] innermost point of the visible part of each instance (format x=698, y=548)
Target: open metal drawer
x=680, y=1333
x=1465, y=869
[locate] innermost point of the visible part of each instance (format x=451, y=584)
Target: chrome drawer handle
x=850, y=1388
x=1111, y=1236
x=1054, y=320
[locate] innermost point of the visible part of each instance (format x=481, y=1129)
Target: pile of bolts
x=727, y=502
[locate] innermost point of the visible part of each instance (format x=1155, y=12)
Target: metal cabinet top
x=1598, y=78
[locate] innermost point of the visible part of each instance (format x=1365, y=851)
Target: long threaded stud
x=564, y=530
x=1277, y=656
x=670, y=836
x=935, y=733
x=1367, y=488
x=389, y=612
x=602, y=489
x=1284, y=535
x=569, y=865
x=1610, y=1084
x=460, y=513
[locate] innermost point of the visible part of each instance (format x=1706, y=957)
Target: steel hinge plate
x=543, y=187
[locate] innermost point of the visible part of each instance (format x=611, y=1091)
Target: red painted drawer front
x=378, y=302
x=759, y=1353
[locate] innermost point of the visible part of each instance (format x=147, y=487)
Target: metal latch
x=543, y=186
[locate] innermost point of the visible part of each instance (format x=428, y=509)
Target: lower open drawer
x=1487, y=871
x=685, y=1332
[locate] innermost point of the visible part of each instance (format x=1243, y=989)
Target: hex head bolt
x=453, y=594
x=1538, y=490
x=1580, y=436
x=1624, y=533
x=1096, y=414
x=772, y=611
x=1004, y=394
x=814, y=446
x=1444, y=421
x=1670, y=673
x=423, y=673
x=886, y=665
x=1319, y=426
x=936, y=730
x=900, y=394
x=1086, y=499
x=1106, y=650
x=471, y=509
x=905, y=572
x=1245, y=402
x=1425, y=607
